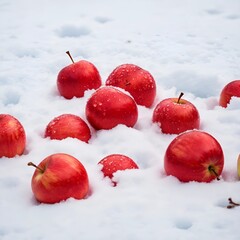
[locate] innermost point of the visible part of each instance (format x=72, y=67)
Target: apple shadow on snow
x=72, y=31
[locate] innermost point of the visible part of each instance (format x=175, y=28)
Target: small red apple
x=12, y=136
x=232, y=89
x=116, y=162
x=194, y=156
x=59, y=177
x=176, y=115
x=108, y=107
x=68, y=125
x=73, y=80
x=137, y=81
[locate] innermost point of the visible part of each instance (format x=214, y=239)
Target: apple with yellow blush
x=58, y=177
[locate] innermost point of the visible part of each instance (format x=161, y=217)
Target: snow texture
x=190, y=46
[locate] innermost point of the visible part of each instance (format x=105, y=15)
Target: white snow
x=189, y=46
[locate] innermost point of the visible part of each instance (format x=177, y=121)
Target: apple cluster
x=193, y=155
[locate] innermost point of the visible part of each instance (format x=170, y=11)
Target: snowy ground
x=189, y=46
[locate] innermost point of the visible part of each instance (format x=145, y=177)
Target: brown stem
x=68, y=53
x=211, y=168
x=34, y=165
x=232, y=204
x=179, y=98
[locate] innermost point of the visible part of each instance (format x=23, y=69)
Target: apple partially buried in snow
x=232, y=89
x=12, y=136
x=74, y=79
x=68, y=125
x=176, y=115
x=194, y=156
x=109, y=106
x=59, y=177
x=116, y=162
x=137, y=81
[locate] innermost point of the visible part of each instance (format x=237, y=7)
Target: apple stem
x=179, y=98
x=210, y=168
x=68, y=53
x=232, y=204
x=34, y=165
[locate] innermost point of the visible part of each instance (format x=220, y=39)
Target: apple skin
x=68, y=125
x=63, y=177
x=174, y=118
x=194, y=156
x=12, y=136
x=116, y=162
x=74, y=79
x=108, y=107
x=232, y=89
x=137, y=81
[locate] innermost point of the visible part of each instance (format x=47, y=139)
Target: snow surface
x=189, y=46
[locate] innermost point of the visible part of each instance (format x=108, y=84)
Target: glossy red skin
x=116, y=162
x=12, y=136
x=68, y=125
x=137, y=81
x=108, y=107
x=190, y=154
x=232, y=89
x=75, y=79
x=64, y=176
x=175, y=118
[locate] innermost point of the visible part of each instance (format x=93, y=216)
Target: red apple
x=59, y=177
x=73, y=80
x=68, y=125
x=116, y=162
x=232, y=89
x=108, y=107
x=176, y=115
x=137, y=81
x=12, y=136
x=194, y=156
